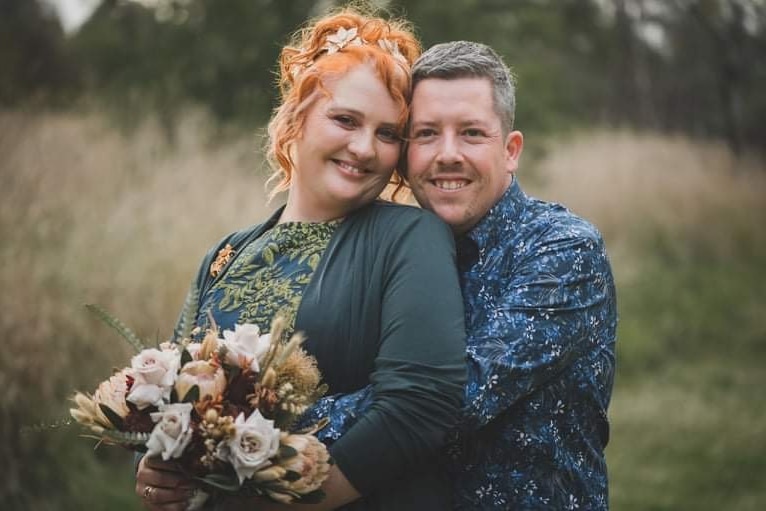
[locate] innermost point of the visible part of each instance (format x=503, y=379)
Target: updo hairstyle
x=327, y=48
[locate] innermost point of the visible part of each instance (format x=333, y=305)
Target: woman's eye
x=345, y=120
x=389, y=136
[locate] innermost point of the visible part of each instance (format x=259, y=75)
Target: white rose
x=155, y=373
x=245, y=346
x=172, y=433
x=255, y=441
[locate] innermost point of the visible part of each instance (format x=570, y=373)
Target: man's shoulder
x=551, y=221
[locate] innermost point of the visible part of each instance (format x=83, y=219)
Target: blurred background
x=130, y=140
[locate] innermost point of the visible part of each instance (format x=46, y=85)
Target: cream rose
x=245, y=346
x=210, y=379
x=254, y=442
x=172, y=433
x=155, y=373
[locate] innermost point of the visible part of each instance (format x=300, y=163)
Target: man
x=538, y=292
x=539, y=300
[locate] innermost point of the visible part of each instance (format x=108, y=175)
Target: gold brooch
x=221, y=260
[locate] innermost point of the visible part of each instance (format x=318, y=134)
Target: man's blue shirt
x=541, y=318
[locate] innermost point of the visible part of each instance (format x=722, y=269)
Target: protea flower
x=309, y=468
x=110, y=394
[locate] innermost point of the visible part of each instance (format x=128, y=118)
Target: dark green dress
x=378, y=297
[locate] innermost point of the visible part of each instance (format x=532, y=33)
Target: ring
x=148, y=492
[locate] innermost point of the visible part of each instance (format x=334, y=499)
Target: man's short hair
x=466, y=59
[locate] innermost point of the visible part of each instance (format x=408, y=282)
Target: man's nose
x=449, y=150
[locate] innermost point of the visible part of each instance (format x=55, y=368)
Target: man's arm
x=341, y=411
x=560, y=304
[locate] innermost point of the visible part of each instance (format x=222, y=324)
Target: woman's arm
x=420, y=370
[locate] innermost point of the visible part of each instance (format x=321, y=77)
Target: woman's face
x=348, y=149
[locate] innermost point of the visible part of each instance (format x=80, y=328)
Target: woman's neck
x=294, y=212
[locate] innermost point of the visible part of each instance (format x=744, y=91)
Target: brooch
x=221, y=260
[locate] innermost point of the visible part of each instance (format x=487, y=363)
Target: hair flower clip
x=393, y=48
x=341, y=39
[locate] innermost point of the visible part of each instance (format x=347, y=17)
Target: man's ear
x=514, y=144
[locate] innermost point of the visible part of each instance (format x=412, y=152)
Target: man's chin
x=455, y=216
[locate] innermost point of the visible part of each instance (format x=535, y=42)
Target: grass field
x=90, y=215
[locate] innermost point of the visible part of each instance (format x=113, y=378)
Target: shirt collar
x=492, y=226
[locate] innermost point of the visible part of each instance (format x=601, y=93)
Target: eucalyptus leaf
x=192, y=395
x=226, y=482
x=291, y=476
x=286, y=452
x=185, y=357
x=314, y=497
x=115, y=419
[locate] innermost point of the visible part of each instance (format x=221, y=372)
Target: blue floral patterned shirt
x=541, y=319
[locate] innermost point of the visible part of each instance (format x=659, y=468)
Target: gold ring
x=148, y=492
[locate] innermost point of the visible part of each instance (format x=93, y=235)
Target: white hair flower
x=392, y=47
x=342, y=38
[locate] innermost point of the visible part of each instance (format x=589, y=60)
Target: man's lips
x=450, y=184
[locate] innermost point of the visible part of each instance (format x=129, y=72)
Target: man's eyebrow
x=423, y=123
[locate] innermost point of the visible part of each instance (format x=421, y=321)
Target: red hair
x=305, y=63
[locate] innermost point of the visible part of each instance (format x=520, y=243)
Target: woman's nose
x=362, y=146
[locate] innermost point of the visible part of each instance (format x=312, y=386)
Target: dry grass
x=89, y=215
x=634, y=186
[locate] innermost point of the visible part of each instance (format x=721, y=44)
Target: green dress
x=268, y=276
x=378, y=297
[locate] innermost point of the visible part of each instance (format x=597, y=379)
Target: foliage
x=36, y=69
x=222, y=57
x=682, y=221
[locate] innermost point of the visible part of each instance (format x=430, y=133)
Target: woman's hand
x=161, y=486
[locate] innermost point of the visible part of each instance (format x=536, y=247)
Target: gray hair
x=466, y=59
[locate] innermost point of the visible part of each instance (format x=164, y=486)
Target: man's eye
x=424, y=133
x=473, y=132
x=389, y=136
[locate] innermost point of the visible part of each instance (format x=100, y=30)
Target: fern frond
x=118, y=326
x=125, y=437
x=186, y=322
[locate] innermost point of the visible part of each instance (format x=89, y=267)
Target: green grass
x=688, y=412
x=87, y=216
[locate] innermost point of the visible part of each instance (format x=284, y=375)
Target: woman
x=373, y=285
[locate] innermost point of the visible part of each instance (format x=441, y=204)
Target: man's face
x=459, y=164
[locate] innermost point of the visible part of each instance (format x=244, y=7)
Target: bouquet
x=222, y=408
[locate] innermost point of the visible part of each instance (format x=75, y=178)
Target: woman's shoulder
x=401, y=216
x=242, y=236
x=390, y=224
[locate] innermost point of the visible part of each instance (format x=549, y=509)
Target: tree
x=36, y=67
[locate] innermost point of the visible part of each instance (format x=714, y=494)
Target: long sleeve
x=419, y=371
x=557, y=305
